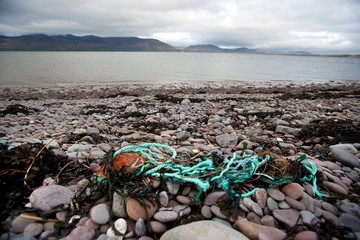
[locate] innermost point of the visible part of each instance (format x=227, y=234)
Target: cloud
x=318, y=25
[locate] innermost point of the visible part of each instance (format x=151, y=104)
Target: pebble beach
x=54, y=139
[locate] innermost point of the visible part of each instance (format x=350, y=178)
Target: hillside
x=213, y=48
x=42, y=42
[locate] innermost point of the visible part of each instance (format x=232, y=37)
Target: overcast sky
x=319, y=26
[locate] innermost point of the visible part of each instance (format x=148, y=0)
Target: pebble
x=344, y=157
x=351, y=208
x=268, y=220
x=284, y=205
x=248, y=202
x=293, y=190
x=226, y=140
x=135, y=210
x=260, y=197
x=348, y=220
x=272, y=204
x=329, y=207
x=201, y=230
x=306, y=235
x=157, y=227
x=173, y=187
x=288, y=217
x=329, y=216
x=276, y=194
x=118, y=206
x=257, y=209
x=163, y=198
x=45, y=198
x=33, y=229
x=347, y=147
x=257, y=231
x=120, y=225
x=211, y=198
x=19, y=224
x=307, y=216
x=295, y=204
x=166, y=216
x=252, y=217
x=206, y=212
x=100, y=213
x=335, y=188
x=183, y=199
x=140, y=228
x=81, y=232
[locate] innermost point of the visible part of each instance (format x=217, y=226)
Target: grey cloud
x=317, y=25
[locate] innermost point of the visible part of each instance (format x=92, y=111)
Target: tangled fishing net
x=240, y=176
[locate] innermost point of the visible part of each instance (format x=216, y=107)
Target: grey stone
x=211, y=198
x=295, y=204
x=166, y=216
x=100, y=213
x=276, y=194
x=216, y=211
x=287, y=130
x=257, y=209
x=203, y=230
x=45, y=198
x=163, y=198
x=344, y=157
x=227, y=140
x=345, y=146
x=288, y=217
x=260, y=197
x=140, y=228
x=348, y=220
x=307, y=216
x=183, y=135
x=33, y=229
x=222, y=221
x=329, y=207
x=19, y=224
x=81, y=232
x=351, y=208
x=329, y=216
x=268, y=220
x=272, y=204
x=206, y=212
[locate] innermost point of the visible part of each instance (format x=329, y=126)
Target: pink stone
x=293, y=190
x=288, y=217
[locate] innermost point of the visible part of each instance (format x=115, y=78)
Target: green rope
x=237, y=169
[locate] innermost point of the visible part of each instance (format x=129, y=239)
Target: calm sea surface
x=63, y=68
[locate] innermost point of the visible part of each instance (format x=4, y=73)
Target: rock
x=183, y=135
x=157, y=227
x=81, y=232
x=173, y=187
x=91, y=224
x=268, y=220
x=257, y=209
x=293, y=190
x=51, y=144
x=248, y=202
x=348, y=220
x=287, y=130
x=203, y=230
x=329, y=207
x=206, y=212
x=100, y=213
x=272, y=204
x=166, y=216
x=351, y=208
x=185, y=102
x=307, y=216
x=306, y=235
x=33, y=229
x=118, y=206
x=19, y=224
x=227, y=140
x=140, y=228
x=344, y=157
x=260, y=197
x=335, y=188
x=252, y=217
x=182, y=210
x=295, y=204
x=257, y=231
x=211, y=198
x=329, y=216
x=135, y=210
x=216, y=211
x=284, y=205
x=120, y=225
x=163, y=198
x=45, y=198
x=288, y=217
x=347, y=147
x=276, y=194
x=183, y=199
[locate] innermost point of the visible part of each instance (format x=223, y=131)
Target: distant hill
x=213, y=48
x=42, y=42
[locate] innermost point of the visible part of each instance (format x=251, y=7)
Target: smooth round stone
x=202, y=230
x=144, y=238
x=33, y=229
x=252, y=217
x=173, y=187
x=163, y=198
x=248, y=202
x=318, y=212
x=100, y=213
x=157, y=227
x=206, y=212
x=166, y=216
x=307, y=216
x=344, y=157
x=295, y=204
x=91, y=224
x=82, y=232
x=272, y=204
x=257, y=209
x=329, y=216
x=332, y=166
x=329, y=207
x=186, y=191
x=351, y=208
x=309, y=189
x=183, y=199
x=284, y=205
x=182, y=209
x=306, y=235
x=135, y=210
x=216, y=211
x=348, y=220
x=211, y=198
x=276, y=194
x=293, y=190
x=140, y=228
x=335, y=188
x=256, y=231
x=260, y=197
x=45, y=198
x=308, y=202
x=268, y=220
x=118, y=206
